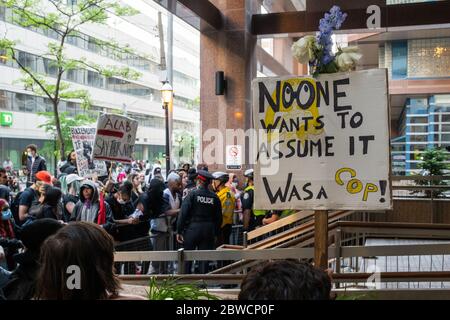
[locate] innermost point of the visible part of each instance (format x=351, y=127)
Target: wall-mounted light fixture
x=221, y=83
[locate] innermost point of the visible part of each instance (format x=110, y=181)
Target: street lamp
x=167, y=98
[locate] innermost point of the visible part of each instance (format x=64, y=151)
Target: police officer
x=200, y=219
x=252, y=218
x=228, y=202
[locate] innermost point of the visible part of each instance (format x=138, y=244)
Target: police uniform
x=247, y=203
x=200, y=219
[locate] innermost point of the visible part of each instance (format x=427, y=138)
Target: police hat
x=248, y=173
x=204, y=175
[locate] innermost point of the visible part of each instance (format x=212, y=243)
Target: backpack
x=14, y=206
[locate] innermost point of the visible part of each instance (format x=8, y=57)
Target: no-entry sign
x=234, y=157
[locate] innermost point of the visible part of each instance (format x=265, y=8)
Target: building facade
x=140, y=99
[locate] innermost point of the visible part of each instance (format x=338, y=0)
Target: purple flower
x=331, y=21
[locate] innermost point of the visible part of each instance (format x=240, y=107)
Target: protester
x=286, y=280
x=22, y=282
x=30, y=196
x=92, y=208
x=161, y=227
x=91, y=249
x=49, y=206
x=35, y=164
x=8, y=239
x=70, y=167
x=135, y=181
x=70, y=186
x=4, y=189
x=122, y=210
x=8, y=165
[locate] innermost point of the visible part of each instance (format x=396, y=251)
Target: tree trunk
x=62, y=145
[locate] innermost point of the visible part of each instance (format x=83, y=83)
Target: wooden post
x=321, y=239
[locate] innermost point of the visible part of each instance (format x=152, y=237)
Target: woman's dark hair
x=78, y=247
x=68, y=156
x=52, y=196
x=126, y=188
x=155, y=196
x=286, y=280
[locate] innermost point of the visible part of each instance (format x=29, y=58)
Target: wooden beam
x=321, y=239
x=206, y=11
x=413, y=14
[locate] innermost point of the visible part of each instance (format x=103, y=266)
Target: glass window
x=5, y=100
x=423, y=120
x=399, y=59
x=24, y=103
x=50, y=67
x=445, y=118
x=445, y=128
x=421, y=138
x=27, y=60
x=418, y=129
x=94, y=79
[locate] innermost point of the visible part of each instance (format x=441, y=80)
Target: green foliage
x=64, y=20
x=433, y=164
x=433, y=161
x=169, y=289
x=66, y=123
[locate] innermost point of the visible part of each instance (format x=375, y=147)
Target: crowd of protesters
x=190, y=208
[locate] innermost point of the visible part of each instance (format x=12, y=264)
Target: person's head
x=249, y=176
x=52, y=196
x=42, y=190
x=123, y=195
x=31, y=150
x=34, y=234
x=174, y=182
x=5, y=211
x=186, y=167
x=88, y=247
x=135, y=180
x=73, y=182
x=184, y=178
x=72, y=157
x=220, y=180
x=88, y=191
x=3, y=177
x=286, y=280
x=204, y=178
x=45, y=177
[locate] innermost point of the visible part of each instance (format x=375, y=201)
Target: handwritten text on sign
x=83, y=142
x=115, y=139
x=328, y=139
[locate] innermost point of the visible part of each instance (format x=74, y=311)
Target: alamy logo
x=74, y=280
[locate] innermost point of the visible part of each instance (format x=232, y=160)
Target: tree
x=66, y=123
x=63, y=18
x=433, y=165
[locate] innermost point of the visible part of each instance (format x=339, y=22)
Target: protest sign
x=324, y=143
x=115, y=138
x=83, y=143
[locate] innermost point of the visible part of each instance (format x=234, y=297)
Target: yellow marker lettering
x=370, y=187
x=340, y=171
x=354, y=186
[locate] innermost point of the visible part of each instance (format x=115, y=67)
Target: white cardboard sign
x=83, y=143
x=323, y=143
x=115, y=138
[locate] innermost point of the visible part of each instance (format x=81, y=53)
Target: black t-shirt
x=28, y=197
x=65, y=200
x=247, y=200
